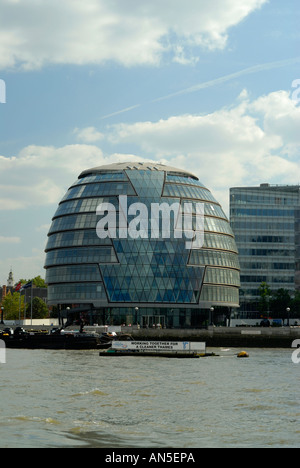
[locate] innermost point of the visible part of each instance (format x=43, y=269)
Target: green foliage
x=39, y=309
x=295, y=305
x=277, y=302
x=38, y=281
x=265, y=294
x=280, y=301
x=11, y=304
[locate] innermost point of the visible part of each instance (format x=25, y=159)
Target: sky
x=208, y=86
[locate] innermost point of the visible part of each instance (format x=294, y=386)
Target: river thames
x=78, y=399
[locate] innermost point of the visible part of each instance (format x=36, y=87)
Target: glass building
x=297, y=240
x=148, y=279
x=265, y=221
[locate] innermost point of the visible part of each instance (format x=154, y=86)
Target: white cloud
x=248, y=144
x=40, y=175
x=282, y=118
x=22, y=266
x=9, y=240
x=43, y=228
x=38, y=32
x=88, y=134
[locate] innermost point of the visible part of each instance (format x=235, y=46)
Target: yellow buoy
x=243, y=354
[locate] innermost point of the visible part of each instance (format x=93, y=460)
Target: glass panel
x=217, y=225
x=104, y=177
x=83, y=205
x=98, y=190
x=80, y=255
x=147, y=184
x=76, y=291
x=186, y=191
x=71, y=222
x=76, y=238
x=219, y=241
x=214, y=257
x=222, y=276
x=220, y=294
x=65, y=274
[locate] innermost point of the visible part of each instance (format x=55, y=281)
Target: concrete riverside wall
x=244, y=337
x=34, y=323
x=239, y=337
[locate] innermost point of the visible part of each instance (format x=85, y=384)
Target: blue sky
x=201, y=85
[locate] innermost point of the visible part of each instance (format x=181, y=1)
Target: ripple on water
x=74, y=399
x=95, y=392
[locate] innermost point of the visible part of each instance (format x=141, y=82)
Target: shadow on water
x=95, y=439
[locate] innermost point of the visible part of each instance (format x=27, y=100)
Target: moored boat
x=107, y=339
x=55, y=339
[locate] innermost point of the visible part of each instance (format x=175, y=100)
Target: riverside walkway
x=254, y=337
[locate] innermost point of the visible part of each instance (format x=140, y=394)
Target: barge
x=163, y=349
x=68, y=338
x=54, y=339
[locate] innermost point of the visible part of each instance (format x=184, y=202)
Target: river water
x=78, y=399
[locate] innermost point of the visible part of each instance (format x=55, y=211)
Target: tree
x=11, y=304
x=265, y=295
x=39, y=309
x=296, y=305
x=280, y=301
x=38, y=281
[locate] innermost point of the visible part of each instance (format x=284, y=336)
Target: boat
x=177, y=355
x=53, y=339
x=163, y=349
x=107, y=339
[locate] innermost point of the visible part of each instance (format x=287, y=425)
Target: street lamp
x=212, y=309
x=136, y=315
x=2, y=314
x=65, y=315
x=288, y=316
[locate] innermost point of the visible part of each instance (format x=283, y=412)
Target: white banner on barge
x=160, y=346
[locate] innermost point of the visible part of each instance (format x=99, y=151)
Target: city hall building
x=141, y=243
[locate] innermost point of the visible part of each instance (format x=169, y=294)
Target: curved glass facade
x=130, y=279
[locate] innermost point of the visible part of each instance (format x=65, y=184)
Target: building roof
x=269, y=187
x=133, y=166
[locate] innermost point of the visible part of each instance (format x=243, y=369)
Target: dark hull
x=149, y=354
x=52, y=342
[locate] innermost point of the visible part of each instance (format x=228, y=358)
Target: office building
x=265, y=221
